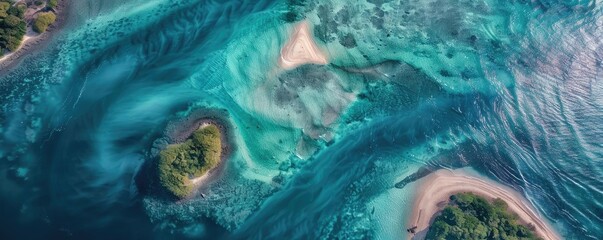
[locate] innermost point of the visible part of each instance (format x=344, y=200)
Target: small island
x=24, y=20
x=469, y=216
x=478, y=207
x=181, y=163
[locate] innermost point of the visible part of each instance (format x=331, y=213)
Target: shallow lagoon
x=511, y=90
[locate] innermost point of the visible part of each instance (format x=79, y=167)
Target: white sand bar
x=301, y=49
x=435, y=189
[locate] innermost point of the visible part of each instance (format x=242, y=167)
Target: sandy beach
x=301, y=49
x=436, y=188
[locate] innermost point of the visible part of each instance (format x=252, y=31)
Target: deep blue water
x=511, y=89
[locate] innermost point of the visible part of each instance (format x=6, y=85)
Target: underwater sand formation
x=301, y=49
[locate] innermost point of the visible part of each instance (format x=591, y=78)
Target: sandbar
x=435, y=189
x=301, y=49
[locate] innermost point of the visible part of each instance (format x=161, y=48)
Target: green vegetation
x=43, y=21
x=53, y=3
x=179, y=163
x=12, y=25
x=471, y=217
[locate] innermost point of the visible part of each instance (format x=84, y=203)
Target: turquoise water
x=510, y=88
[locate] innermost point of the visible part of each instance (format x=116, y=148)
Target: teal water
x=511, y=89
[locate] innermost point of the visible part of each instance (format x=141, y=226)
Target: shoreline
x=301, y=49
x=30, y=44
x=435, y=189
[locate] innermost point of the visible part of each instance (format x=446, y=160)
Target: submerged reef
x=101, y=128
x=178, y=163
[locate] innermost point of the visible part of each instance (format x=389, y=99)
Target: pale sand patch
x=301, y=49
x=435, y=189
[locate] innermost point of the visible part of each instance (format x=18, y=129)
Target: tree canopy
x=178, y=163
x=12, y=25
x=472, y=217
x=43, y=21
x=53, y=3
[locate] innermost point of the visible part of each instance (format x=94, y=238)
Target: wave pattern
x=512, y=89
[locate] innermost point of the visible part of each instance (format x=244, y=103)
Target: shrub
x=53, y=3
x=13, y=43
x=17, y=10
x=43, y=21
x=11, y=21
x=4, y=6
x=192, y=158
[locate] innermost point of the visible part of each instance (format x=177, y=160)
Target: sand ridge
x=301, y=49
x=435, y=189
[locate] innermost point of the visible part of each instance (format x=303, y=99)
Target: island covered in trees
x=469, y=216
x=19, y=18
x=181, y=163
